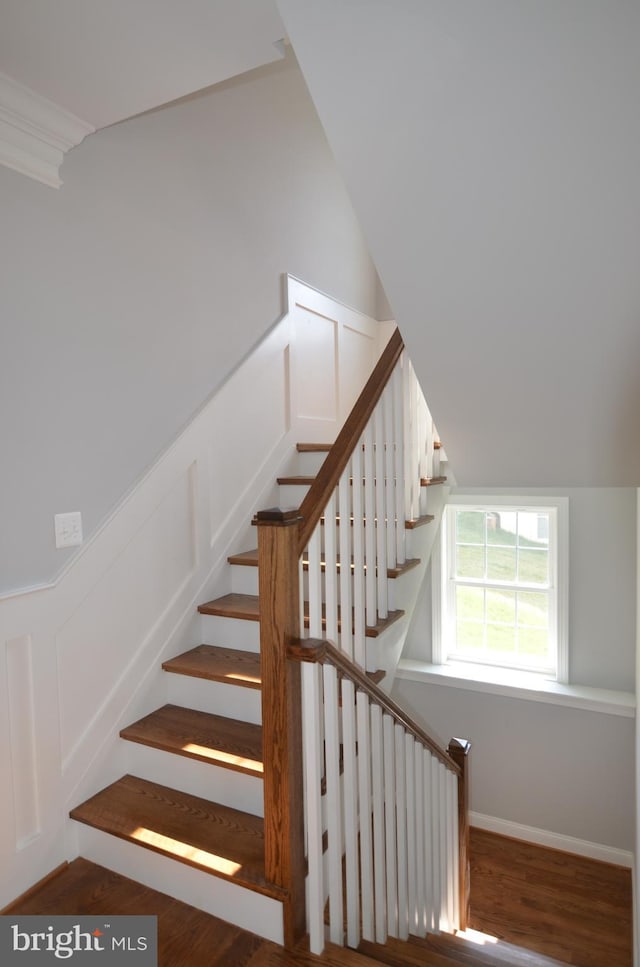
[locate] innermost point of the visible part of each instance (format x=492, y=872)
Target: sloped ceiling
x=492, y=153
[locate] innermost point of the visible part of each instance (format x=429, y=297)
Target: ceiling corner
x=35, y=133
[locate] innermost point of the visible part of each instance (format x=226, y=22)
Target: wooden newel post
x=281, y=713
x=459, y=751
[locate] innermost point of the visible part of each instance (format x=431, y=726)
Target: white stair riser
x=230, y=632
x=244, y=908
x=233, y=701
x=309, y=463
x=291, y=495
x=215, y=783
x=244, y=580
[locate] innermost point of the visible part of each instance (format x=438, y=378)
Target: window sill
x=514, y=684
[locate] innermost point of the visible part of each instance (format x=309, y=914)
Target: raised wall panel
x=316, y=371
x=22, y=732
x=249, y=419
x=357, y=358
x=103, y=636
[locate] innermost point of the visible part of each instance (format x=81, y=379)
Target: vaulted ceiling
x=492, y=154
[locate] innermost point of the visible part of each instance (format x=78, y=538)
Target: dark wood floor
x=564, y=906
x=560, y=905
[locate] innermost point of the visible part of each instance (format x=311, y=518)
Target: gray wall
x=602, y=586
x=128, y=296
x=566, y=770
x=492, y=153
x=563, y=770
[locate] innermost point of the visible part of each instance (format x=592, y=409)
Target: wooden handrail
x=314, y=503
x=322, y=651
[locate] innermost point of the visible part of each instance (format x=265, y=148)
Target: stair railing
x=390, y=815
x=325, y=568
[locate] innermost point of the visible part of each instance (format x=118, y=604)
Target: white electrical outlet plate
x=68, y=529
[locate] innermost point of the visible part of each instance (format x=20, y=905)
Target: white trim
x=515, y=684
x=559, y=841
x=35, y=133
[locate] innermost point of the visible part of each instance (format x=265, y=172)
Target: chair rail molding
x=35, y=133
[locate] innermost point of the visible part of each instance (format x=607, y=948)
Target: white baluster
x=389, y=474
x=312, y=758
x=401, y=834
x=370, y=526
x=379, y=851
x=333, y=803
x=398, y=452
x=366, y=810
x=429, y=819
x=421, y=819
x=344, y=505
x=450, y=851
x=351, y=812
x=315, y=585
x=435, y=843
x=410, y=773
x=442, y=814
x=331, y=574
x=453, y=782
x=390, y=824
x=381, y=533
x=359, y=640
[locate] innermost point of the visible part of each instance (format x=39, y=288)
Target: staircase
x=233, y=727
x=182, y=751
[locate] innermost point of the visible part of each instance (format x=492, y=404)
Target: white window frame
x=558, y=508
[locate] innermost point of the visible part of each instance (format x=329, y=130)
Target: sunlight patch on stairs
x=476, y=937
x=185, y=851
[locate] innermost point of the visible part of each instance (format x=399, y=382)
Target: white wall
x=128, y=296
x=491, y=151
x=81, y=659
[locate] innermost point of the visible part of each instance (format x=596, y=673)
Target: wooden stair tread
x=244, y=606
x=228, y=665
x=396, y=953
x=313, y=447
x=302, y=479
x=371, y=631
x=418, y=521
x=216, y=839
x=250, y=559
x=210, y=738
x=432, y=481
x=247, y=607
x=499, y=954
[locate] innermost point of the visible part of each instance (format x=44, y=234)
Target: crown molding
x=35, y=133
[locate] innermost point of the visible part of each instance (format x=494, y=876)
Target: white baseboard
x=544, y=837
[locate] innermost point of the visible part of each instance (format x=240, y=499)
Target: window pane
x=470, y=527
x=501, y=638
x=501, y=563
x=533, y=529
x=501, y=607
x=469, y=637
x=533, y=566
x=470, y=562
x=533, y=609
x=501, y=527
x=533, y=645
x=470, y=603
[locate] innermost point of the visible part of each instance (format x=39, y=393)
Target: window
x=504, y=584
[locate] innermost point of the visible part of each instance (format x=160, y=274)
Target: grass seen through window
x=501, y=573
